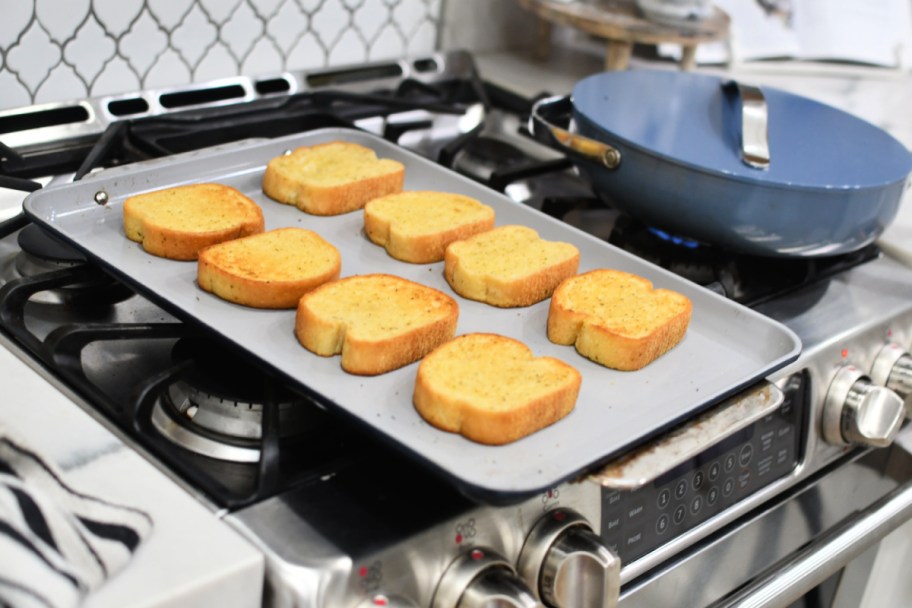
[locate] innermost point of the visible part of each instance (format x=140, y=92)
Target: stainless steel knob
x=382, y=600
x=568, y=564
x=856, y=411
x=893, y=368
x=481, y=578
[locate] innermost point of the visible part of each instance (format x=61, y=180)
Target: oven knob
x=481, y=578
x=893, y=368
x=568, y=564
x=856, y=411
x=381, y=600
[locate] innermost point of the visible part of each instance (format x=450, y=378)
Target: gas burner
x=483, y=155
x=41, y=254
x=486, y=149
x=216, y=409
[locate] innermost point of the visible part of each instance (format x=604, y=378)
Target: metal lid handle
x=754, y=125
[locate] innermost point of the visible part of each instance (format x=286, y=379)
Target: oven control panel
x=639, y=521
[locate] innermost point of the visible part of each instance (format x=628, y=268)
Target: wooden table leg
x=543, y=39
x=688, y=57
x=617, y=55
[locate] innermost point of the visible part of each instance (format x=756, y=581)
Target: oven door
x=814, y=545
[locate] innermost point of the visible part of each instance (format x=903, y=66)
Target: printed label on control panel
x=370, y=576
x=465, y=531
x=550, y=499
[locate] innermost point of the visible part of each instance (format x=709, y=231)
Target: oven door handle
x=646, y=464
x=792, y=577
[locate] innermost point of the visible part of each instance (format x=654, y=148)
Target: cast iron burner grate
x=42, y=253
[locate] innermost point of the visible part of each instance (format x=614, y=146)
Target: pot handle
x=541, y=124
x=754, y=119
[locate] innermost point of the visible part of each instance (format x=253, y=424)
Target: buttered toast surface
x=269, y=270
x=331, y=178
x=377, y=322
x=418, y=226
x=509, y=266
x=180, y=221
x=618, y=319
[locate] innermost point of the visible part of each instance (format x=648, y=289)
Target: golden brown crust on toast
x=268, y=270
x=177, y=223
x=378, y=322
x=509, y=266
x=617, y=319
x=417, y=226
x=331, y=178
x=491, y=389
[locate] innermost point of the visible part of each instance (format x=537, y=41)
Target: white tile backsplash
x=54, y=50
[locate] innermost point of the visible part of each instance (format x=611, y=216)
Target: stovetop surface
x=480, y=123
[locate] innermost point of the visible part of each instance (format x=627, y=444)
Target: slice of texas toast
x=268, y=270
x=617, y=319
x=331, y=178
x=492, y=390
x=508, y=266
x=417, y=226
x=178, y=222
x=378, y=322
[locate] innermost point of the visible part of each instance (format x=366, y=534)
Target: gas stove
x=342, y=519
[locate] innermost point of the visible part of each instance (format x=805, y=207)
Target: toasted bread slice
x=378, y=322
x=268, y=270
x=331, y=178
x=508, y=266
x=178, y=222
x=491, y=389
x=617, y=319
x=417, y=226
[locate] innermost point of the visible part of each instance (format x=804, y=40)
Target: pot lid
x=692, y=119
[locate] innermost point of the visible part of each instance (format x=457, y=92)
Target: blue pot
x=669, y=148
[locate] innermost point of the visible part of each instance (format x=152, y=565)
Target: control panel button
x=712, y=496
x=729, y=463
x=696, y=504
x=745, y=455
x=663, y=498
x=681, y=489
x=698, y=480
x=662, y=523
x=728, y=486
x=714, y=470
x=636, y=511
x=634, y=539
x=481, y=578
x=679, y=514
x=568, y=564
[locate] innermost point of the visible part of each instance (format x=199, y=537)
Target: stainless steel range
x=758, y=500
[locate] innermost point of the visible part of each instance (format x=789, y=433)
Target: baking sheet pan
x=727, y=346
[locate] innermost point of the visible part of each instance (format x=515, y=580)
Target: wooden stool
x=620, y=23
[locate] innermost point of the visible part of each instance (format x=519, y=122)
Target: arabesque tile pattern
x=53, y=50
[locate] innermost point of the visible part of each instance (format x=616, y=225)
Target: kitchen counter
x=190, y=558
x=880, y=96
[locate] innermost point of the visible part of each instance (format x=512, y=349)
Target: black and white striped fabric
x=56, y=544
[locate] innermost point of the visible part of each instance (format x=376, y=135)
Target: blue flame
x=677, y=240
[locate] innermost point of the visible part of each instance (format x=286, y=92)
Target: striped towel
x=56, y=544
